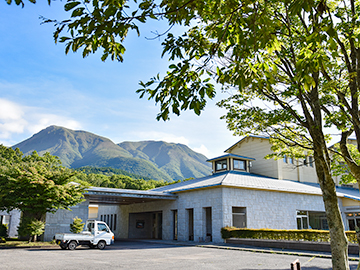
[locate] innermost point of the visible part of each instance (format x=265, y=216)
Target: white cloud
x=10, y=110
x=11, y=119
x=43, y=120
x=203, y=150
x=18, y=122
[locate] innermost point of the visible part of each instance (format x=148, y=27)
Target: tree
x=36, y=184
x=77, y=226
x=293, y=68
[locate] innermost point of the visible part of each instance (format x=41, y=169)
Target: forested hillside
x=119, y=181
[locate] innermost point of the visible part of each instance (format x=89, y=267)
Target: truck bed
x=74, y=236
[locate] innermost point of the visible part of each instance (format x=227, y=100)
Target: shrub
x=272, y=234
x=77, y=225
x=31, y=228
x=3, y=230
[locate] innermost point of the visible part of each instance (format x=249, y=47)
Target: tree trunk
x=338, y=242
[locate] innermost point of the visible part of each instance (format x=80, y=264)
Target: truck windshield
x=102, y=228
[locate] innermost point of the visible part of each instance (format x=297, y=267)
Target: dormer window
x=239, y=164
x=231, y=162
x=221, y=165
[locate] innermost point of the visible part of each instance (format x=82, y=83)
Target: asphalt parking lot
x=150, y=255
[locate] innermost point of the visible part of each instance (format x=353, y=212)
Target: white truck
x=96, y=234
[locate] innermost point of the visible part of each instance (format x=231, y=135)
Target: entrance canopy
x=125, y=196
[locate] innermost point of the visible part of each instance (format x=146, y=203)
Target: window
x=114, y=225
x=221, y=165
x=93, y=211
x=311, y=161
x=190, y=222
x=302, y=220
x=353, y=220
x=239, y=217
x=285, y=159
x=208, y=224
x=110, y=220
x=175, y=224
x=305, y=161
x=239, y=164
x=317, y=220
x=102, y=228
x=291, y=160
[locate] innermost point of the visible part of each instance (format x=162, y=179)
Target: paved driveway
x=153, y=256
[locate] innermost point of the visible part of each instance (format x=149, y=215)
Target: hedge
x=272, y=234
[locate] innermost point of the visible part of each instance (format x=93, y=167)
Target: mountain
x=177, y=160
x=156, y=160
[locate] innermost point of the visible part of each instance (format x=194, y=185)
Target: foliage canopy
x=36, y=184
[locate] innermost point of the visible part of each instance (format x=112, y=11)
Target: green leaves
x=77, y=225
x=36, y=184
x=70, y=5
x=20, y=2
x=181, y=89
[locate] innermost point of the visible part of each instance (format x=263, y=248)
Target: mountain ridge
x=152, y=159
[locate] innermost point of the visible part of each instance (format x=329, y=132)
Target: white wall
x=14, y=221
x=268, y=209
x=258, y=148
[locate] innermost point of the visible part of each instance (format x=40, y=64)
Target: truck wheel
x=72, y=245
x=101, y=245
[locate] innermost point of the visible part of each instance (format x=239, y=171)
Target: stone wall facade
x=269, y=209
x=12, y=219
x=59, y=222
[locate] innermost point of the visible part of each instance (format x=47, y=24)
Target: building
x=12, y=220
x=245, y=190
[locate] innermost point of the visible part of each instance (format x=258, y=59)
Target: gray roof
x=231, y=155
x=129, y=193
x=241, y=180
x=246, y=180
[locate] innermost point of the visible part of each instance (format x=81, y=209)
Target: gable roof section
x=250, y=136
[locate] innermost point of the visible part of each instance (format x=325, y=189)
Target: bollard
x=295, y=265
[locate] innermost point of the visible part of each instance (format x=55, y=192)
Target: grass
x=10, y=242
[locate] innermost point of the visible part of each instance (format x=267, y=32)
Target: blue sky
x=41, y=86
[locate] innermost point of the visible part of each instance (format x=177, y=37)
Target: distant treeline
x=109, y=172
x=108, y=177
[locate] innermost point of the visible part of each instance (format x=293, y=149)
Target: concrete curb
x=274, y=251
x=252, y=249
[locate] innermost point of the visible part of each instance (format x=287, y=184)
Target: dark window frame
x=241, y=160
x=221, y=162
